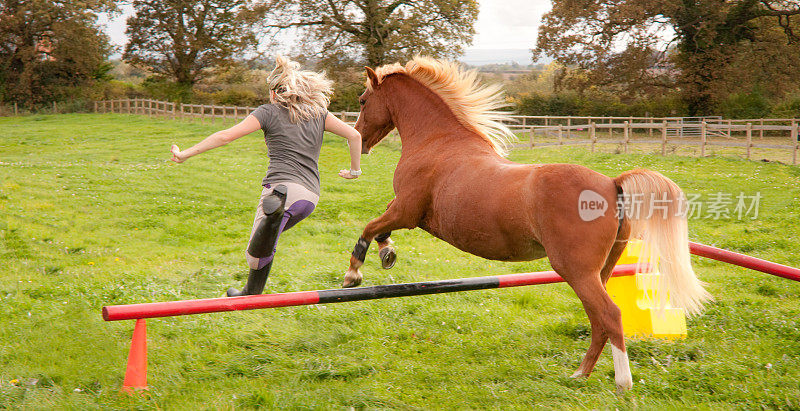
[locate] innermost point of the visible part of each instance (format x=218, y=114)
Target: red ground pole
x=746, y=261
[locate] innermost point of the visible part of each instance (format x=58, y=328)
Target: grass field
x=93, y=214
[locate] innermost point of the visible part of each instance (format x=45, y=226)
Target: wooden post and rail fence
x=543, y=131
x=775, y=134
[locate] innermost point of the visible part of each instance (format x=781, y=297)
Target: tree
x=50, y=48
x=703, y=39
x=376, y=32
x=181, y=39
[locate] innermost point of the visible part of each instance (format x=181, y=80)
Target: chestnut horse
x=453, y=181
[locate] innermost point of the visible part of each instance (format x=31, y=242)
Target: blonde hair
x=473, y=104
x=305, y=93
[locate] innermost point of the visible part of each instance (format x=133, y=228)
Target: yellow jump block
x=635, y=295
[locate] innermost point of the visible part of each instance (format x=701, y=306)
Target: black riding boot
x=255, y=282
x=262, y=244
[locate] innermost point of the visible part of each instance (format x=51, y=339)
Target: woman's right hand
x=177, y=156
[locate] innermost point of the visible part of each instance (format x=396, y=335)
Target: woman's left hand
x=177, y=156
x=346, y=174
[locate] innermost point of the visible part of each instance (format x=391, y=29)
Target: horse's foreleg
x=378, y=229
x=385, y=250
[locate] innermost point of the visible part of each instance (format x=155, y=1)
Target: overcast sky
x=502, y=24
x=509, y=24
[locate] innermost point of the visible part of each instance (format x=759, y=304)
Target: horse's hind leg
x=599, y=336
x=606, y=320
x=616, y=251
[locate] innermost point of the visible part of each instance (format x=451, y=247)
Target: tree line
x=54, y=50
x=614, y=57
x=710, y=54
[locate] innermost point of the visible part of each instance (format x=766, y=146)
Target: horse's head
x=374, y=120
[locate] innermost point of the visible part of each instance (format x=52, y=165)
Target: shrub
x=238, y=96
x=162, y=89
x=563, y=104
x=788, y=108
x=595, y=103
x=744, y=105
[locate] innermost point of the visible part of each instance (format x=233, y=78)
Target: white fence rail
x=543, y=131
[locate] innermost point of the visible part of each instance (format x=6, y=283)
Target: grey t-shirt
x=293, y=148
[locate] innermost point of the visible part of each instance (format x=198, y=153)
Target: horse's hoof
x=352, y=279
x=388, y=257
x=579, y=374
x=624, y=387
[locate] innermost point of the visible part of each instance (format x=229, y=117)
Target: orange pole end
x=136, y=374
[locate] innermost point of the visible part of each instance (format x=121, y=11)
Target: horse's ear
x=373, y=78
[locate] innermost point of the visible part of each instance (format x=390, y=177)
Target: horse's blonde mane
x=472, y=103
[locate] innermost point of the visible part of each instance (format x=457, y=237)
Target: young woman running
x=293, y=124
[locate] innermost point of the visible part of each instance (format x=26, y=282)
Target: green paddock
x=92, y=213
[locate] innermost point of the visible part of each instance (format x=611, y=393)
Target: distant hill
x=482, y=57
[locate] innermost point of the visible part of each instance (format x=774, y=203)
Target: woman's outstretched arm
x=218, y=139
x=339, y=127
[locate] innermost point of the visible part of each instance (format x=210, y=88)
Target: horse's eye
x=362, y=101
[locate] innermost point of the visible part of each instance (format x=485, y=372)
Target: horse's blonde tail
x=657, y=210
